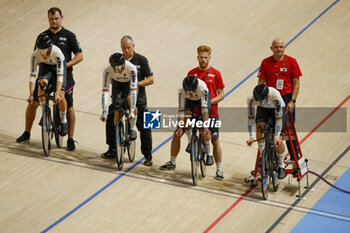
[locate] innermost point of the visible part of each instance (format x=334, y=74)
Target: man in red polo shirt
x=282, y=72
x=213, y=79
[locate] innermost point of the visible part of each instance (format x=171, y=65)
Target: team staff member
x=213, y=80
x=68, y=43
x=145, y=78
x=282, y=72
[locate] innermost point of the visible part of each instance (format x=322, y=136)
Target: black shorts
x=267, y=114
x=69, y=97
x=49, y=73
x=213, y=130
x=195, y=106
x=120, y=91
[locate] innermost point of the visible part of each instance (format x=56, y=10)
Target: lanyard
x=274, y=62
x=206, y=74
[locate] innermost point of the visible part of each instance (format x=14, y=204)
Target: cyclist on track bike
x=270, y=106
x=52, y=70
x=125, y=74
x=193, y=93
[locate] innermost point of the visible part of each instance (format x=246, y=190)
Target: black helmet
x=190, y=83
x=116, y=59
x=260, y=92
x=43, y=41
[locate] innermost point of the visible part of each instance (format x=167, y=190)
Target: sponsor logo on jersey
x=211, y=75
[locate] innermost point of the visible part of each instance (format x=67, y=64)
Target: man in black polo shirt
x=68, y=43
x=145, y=78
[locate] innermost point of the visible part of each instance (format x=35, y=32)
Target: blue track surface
x=331, y=213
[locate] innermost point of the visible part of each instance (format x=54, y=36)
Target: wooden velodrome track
x=80, y=192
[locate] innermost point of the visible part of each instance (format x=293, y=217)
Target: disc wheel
x=264, y=177
x=46, y=128
x=202, y=159
x=194, y=162
x=56, y=122
x=120, y=141
x=131, y=147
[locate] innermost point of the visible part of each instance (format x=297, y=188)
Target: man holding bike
x=193, y=93
x=125, y=75
x=52, y=70
x=270, y=107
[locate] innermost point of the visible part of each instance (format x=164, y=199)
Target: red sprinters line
x=251, y=188
x=228, y=210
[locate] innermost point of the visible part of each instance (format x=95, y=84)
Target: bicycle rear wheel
x=194, y=160
x=201, y=153
x=120, y=141
x=46, y=128
x=57, y=126
x=275, y=181
x=131, y=144
x=264, y=176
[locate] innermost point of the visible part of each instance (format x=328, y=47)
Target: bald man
x=282, y=72
x=145, y=78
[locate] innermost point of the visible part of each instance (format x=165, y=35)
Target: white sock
x=133, y=123
x=219, y=166
x=208, y=147
x=261, y=146
x=189, y=134
x=63, y=116
x=42, y=105
x=173, y=159
x=280, y=160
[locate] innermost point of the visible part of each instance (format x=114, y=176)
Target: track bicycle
x=50, y=124
x=197, y=154
x=123, y=142
x=268, y=163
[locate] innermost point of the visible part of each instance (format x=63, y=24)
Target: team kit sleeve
x=146, y=67
x=74, y=43
x=59, y=64
x=219, y=82
x=133, y=87
x=262, y=70
x=296, y=72
x=105, y=88
x=205, y=99
x=251, y=115
x=279, y=112
x=181, y=99
x=33, y=66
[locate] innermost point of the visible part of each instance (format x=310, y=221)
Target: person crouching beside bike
x=52, y=70
x=125, y=74
x=270, y=106
x=193, y=93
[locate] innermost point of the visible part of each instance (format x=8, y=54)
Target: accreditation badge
x=279, y=84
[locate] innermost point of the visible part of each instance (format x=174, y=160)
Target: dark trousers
x=286, y=99
x=145, y=134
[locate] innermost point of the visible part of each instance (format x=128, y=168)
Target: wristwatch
x=293, y=100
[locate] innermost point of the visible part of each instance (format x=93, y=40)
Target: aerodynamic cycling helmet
x=260, y=92
x=116, y=59
x=43, y=41
x=190, y=83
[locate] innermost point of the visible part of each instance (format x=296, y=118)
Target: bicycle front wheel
x=46, y=127
x=120, y=141
x=194, y=160
x=264, y=175
x=131, y=145
x=275, y=181
x=201, y=155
